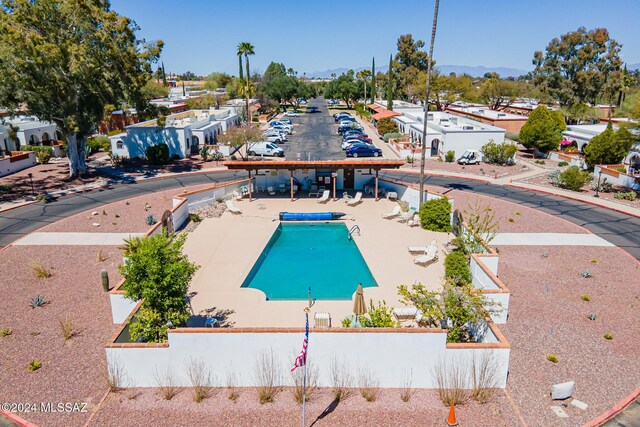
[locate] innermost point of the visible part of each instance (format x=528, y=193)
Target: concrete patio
x=226, y=248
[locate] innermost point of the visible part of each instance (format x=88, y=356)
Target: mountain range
x=475, y=71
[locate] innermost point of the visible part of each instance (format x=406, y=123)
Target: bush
x=500, y=154
x=563, y=163
x=388, y=136
x=608, y=148
x=43, y=157
x=604, y=187
x=379, y=316
x=98, y=143
x=435, y=215
x=450, y=156
x=608, y=337
x=456, y=268
x=552, y=358
x=629, y=195
x=543, y=130
x=37, y=148
x=572, y=178
x=34, y=365
x=158, y=154
x=387, y=125
x=512, y=136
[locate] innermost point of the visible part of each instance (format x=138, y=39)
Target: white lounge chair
x=271, y=191
x=394, y=213
x=407, y=313
x=232, y=208
x=430, y=257
x=237, y=195
x=422, y=249
x=405, y=216
x=415, y=221
x=355, y=200
x=322, y=320
x=325, y=197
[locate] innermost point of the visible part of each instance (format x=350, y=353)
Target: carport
x=321, y=173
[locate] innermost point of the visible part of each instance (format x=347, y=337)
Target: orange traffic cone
x=451, y=421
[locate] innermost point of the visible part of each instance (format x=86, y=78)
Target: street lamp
x=33, y=191
x=598, y=185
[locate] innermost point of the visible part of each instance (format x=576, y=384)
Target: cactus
x=104, y=275
x=151, y=220
x=38, y=301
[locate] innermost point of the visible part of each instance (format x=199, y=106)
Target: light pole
x=33, y=191
x=598, y=185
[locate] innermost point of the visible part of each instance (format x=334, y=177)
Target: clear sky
x=202, y=35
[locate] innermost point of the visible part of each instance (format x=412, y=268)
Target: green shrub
x=98, y=143
x=37, y=149
x=512, y=136
x=500, y=154
x=6, y=188
x=573, y=178
x=387, y=125
x=158, y=154
x=629, y=195
x=621, y=169
x=6, y=332
x=379, y=316
x=388, y=136
x=34, y=365
x=115, y=132
x=435, y=215
x=608, y=337
x=43, y=157
x=450, y=156
x=563, y=163
x=456, y=268
x=585, y=297
x=552, y=358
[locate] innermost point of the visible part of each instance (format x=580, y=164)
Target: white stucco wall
x=7, y=167
x=121, y=307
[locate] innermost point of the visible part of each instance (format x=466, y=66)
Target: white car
x=281, y=126
x=291, y=114
x=274, y=138
x=346, y=122
x=285, y=121
x=264, y=148
x=348, y=142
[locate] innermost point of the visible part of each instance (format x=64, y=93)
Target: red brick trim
x=18, y=420
x=615, y=410
x=503, y=289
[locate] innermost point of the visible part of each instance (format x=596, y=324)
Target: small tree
x=435, y=215
x=387, y=125
x=500, y=154
x=456, y=268
x=543, y=130
x=481, y=222
x=610, y=147
x=379, y=316
x=157, y=272
x=573, y=178
x=158, y=154
x=236, y=137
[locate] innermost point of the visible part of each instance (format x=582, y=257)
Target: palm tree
x=426, y=101
x=246, y=49
x=364, y=75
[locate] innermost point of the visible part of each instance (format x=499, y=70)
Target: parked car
x=313, y=110
x=344, y=128
x=470, y=157
x=285, y=121
x=291, y=114
x=346, y=120
x=349, y=142
x=282, y=122
x=363, y=150
x=286, y=129
x=357, y=136
x=355, y=132
x=264, y=148
x=338, y=116
x=275, y=136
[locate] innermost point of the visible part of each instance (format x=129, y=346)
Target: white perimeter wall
x=387, y=356
x=7, y=167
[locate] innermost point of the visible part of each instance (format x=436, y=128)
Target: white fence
x=12, y=164
x=617, y=178
x=484, y=273
x=388, y=355
x=411, y=195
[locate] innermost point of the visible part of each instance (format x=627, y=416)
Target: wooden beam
x=250, y=184
x=291, y=183
x=376, y=185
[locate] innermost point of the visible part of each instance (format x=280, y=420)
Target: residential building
x=582, y=134
x=183, y=132
x=31, y=131
x=512, y=123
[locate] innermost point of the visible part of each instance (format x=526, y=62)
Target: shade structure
x=359, y=307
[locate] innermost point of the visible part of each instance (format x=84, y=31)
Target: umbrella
x=359, y=306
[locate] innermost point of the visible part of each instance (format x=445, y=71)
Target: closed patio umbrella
x=359, y=306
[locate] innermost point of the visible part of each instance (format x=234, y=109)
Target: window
x=119, y=145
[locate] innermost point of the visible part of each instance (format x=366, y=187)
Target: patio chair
x=410, y=312
x=237, y=195
x=356, y=200
x=394, y=213
x=322, y=320
x=405, y=216
x=422, y=249
x=271, y=191
x=430, y=257
x=415, y=221
x=282, y=188
x=232, y=208
x=345, y=196
x=325, y=197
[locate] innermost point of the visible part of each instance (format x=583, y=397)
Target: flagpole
x=304, y=378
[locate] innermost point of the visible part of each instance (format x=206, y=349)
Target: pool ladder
x=353, y=230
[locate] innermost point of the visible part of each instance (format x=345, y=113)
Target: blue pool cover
x=310, y=216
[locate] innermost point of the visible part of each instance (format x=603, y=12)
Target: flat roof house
x=512, y=123
x=31, y=131
x=183, y=132
x=582, y=134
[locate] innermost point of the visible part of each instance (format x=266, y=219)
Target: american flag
x=302, y=357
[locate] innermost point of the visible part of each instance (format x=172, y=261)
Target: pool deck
x=226, y=248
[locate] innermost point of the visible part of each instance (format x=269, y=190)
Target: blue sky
x=202, y=35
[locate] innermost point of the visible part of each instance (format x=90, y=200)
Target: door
x=348, y=181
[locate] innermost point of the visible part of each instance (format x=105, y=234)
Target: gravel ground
x=483, y=170
x=131, y=214
x=210, y=211
x=71, y=371
x=149, y=409
x=525, y=220
x=548, y=316
x=587, y=191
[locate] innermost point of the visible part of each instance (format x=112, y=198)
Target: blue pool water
x=316, y=255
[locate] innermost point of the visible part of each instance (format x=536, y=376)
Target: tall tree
x=408, y=63
x=344, y=88
x=499, y=94
x=577, y=67
x=240, y=73
x=543, y=129
x=364, y=75
x=373, y=80
x=246, y=49
x=59, y=57
x=164, y=75
x=390, y=85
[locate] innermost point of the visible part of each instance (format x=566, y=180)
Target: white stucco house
x=183, y=132
x=31, y=131
x=582, y=134
x=445, y=131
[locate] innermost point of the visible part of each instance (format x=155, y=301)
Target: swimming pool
x=316, y=255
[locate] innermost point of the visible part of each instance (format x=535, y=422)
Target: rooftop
x=484, y=111
x=314, y=164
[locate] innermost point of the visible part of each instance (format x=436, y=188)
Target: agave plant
x=38, y=301
x=151, y=220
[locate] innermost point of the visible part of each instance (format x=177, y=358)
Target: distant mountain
x=633, y=66
x=477, y=71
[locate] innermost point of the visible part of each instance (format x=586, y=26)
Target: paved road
x=630, y=417
x=316, y=137
x=620, y=229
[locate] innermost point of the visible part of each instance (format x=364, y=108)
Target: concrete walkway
x=548, y=239
x=75, y=239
